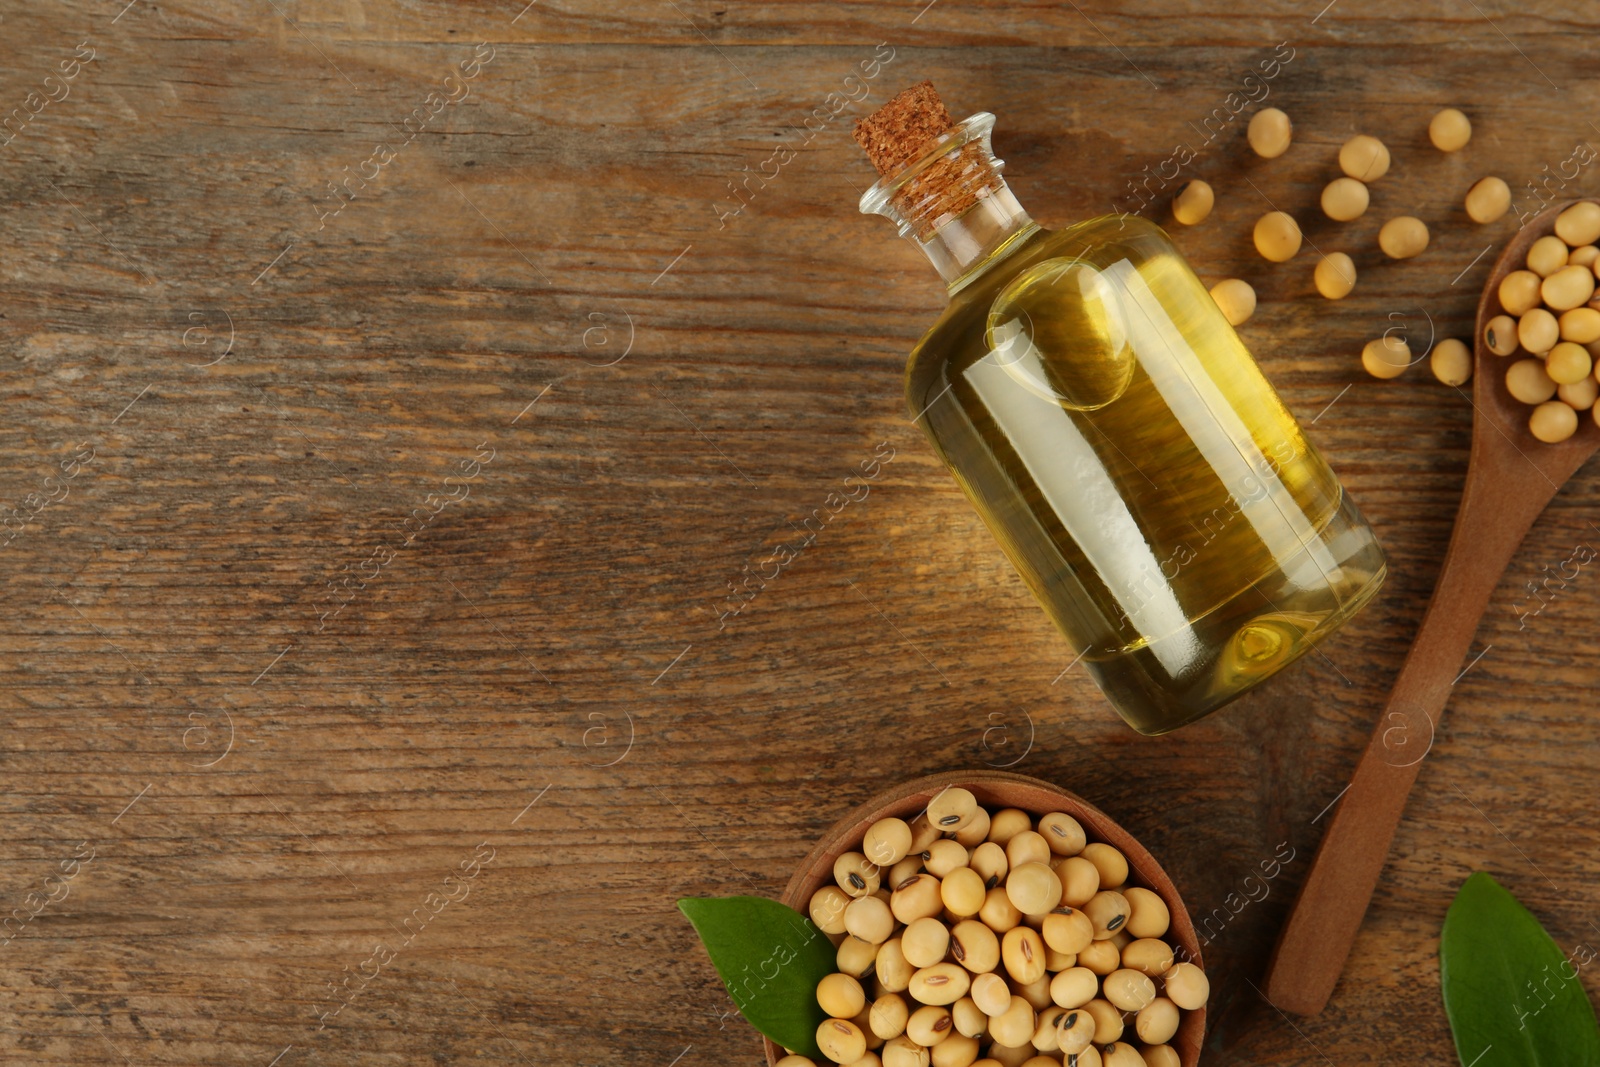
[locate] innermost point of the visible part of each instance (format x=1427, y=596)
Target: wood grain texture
x=534, y=682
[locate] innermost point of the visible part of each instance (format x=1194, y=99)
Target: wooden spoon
x=1511, y=476
x=1002, y=789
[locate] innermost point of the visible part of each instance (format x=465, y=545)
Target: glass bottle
x=1115, y=434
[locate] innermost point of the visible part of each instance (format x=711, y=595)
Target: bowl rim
x=911, y=797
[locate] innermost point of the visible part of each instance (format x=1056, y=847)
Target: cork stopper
x=901, y=130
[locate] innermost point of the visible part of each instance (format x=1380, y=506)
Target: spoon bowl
x=1500, y=420
x=1511, y=476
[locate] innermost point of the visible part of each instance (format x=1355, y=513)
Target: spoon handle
x=1323, y=924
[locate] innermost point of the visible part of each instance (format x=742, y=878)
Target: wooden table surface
x=394, y=393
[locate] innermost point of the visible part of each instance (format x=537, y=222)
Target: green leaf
x=770, y=958
x=1513, y=999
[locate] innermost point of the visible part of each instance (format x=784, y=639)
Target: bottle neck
x=952, y=203
x=965, y=246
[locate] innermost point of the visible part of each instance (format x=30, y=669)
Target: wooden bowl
x=1001, y=789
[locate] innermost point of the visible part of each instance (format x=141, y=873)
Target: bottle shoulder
x=958, y=335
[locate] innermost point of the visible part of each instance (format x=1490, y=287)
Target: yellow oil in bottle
x=1138, y=469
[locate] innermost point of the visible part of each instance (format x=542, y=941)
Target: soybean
x=1450, y=130
x=974, y=946
x=1193, y=202
x=1074, y=1031
x=923, y=833
x=1187, y=986
x=976, y=830
x=1007, y=823
x=1579, y=224
x=998, y=913
x=1108, y=911
x=855, y=956
x=1538, y=331
x=1500, y=335
x=1023, y=953
x=1111, y=864
x=1553, y=422
x=1089, y=1057
x=1013, y=1027
x=1235, y=298
x=944, y=856
x=1157, y=1021
x=888, y=1015
x=827, y=909
x=1128, y=989
x=989, y=859
x=869, y=919
x=1107, y=1021
x=924, y=942
x=1045, y=1035
x=904, y=871
x=1148, y=955
x=991, y=994
x=1519, y=292
x=1269, y=133
x=954, y=1051
x=1033, y=888
x=941, y=984
x=856, y=875
x=1036, y=993
x=841, y=996
x=841, y=1041
x=963, y=892
x=1080, y=880
x=1074, y=987
x=1029, y=846
x=1364, y=158
x=1568, y=363
x=1579, y=396
x=904, y=1052
x=1155, y=1056
x=1568, y=288
x=887, y=842
x=1335, y=275
x=929, y=1025
x=1547, y=255
x=1527, y=381
x=1148, y=915
x=894, y=973
x=1386, y=357
x=1062, y=833
x=1451, y=362
x=1101, y=957
x=1403, y=237
x=1277, y=236
x=1345, y=199
x=1068, y=930
x=969, y=1019
x=915, y=898
x=1488, y=200
x=1121, y=1054
x=952, y=809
